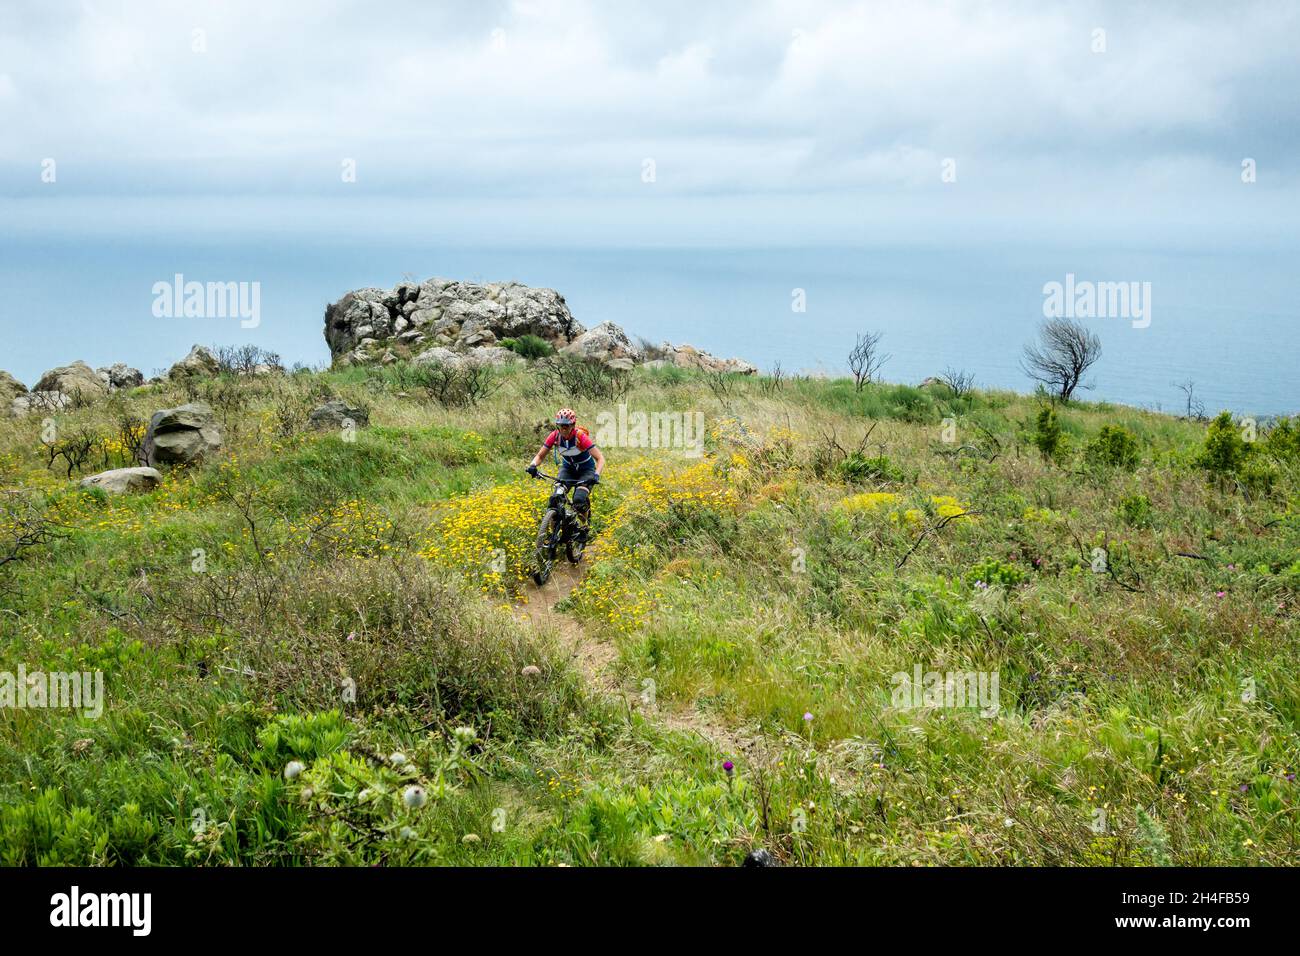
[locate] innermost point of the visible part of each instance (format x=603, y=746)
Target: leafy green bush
x=858, y=468
x=1136, y=511
x=529, y=346
x=1114, y=446
x=1291, y=575
x=1283, y=439
x=995, y=573
x=1047, y=433
x=1225, y=450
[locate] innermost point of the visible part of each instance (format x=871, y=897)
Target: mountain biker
x=578, y=459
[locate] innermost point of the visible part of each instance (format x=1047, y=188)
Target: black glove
x=532, y=470
x=595, y=479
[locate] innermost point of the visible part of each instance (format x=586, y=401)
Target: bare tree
x=866, y=359
x=774, y=381
x=1195, y=407
x=959, y=381
x=246, y=359
x=1064, y=352
x=23, y=526
x=76, y=448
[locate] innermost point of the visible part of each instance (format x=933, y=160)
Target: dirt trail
x=596, y=660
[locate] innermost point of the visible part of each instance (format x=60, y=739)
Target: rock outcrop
x=444, y=322
x=606, y=343
x=486, y=355
x=199, y=362
x=77, y=379
x=120, y=481
x=38, y=402
x=120, y=376
x=10, y=388
x=365, y=325
x=182, y=435
x=687, y=356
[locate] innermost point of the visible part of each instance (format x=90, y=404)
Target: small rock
x=120, y=481
x=337, y=413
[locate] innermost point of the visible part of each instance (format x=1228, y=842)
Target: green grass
x=294, y=603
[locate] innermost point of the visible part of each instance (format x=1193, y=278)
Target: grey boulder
x=337, y=414
x=72, y=380
x=199, y=362
x=120, y=481
x=120, y=376
x=181, y=435
x=606, y=343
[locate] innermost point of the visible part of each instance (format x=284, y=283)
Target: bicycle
x=559, y=526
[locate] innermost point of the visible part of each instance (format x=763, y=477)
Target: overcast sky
x=765, y=121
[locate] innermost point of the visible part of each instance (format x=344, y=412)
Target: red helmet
x=566, y=416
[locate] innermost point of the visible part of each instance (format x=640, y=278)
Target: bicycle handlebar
x=564, y=481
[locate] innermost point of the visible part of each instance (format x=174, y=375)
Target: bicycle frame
x=559, y=499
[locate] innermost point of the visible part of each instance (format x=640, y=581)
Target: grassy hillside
x=274, y=625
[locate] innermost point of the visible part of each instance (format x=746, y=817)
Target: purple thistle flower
x=728, y=766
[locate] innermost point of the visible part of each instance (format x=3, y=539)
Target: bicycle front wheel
x=548, y=534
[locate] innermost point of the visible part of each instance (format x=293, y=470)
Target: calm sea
x=1225, y=320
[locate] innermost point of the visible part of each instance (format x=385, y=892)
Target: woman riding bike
x=577, y=457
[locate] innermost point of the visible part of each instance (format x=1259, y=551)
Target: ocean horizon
x=1223, y=319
